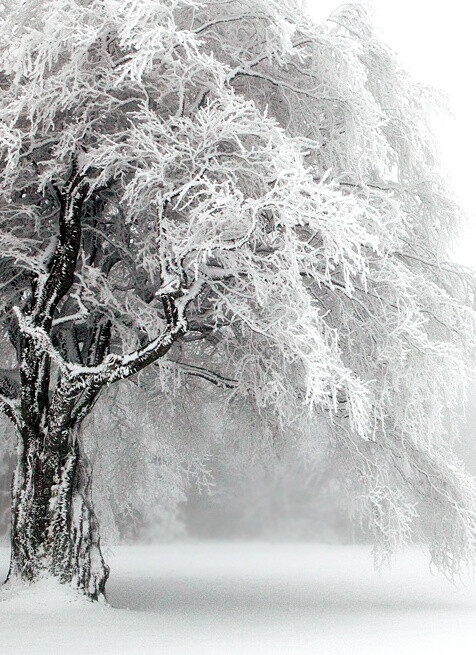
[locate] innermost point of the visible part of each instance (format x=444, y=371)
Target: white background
x=436, y=42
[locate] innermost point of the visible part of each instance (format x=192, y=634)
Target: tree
x=225, y=190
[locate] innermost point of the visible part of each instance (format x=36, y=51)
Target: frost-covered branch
x=119, y=368
x=55, y=285
x=40, y=338
x=71, y=318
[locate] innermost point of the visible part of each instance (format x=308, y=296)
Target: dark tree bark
x=54, y=528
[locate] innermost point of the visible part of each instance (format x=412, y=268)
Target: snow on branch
x=40, y=337
x=116, y=367
x=79, y=315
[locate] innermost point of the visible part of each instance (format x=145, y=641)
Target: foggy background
x=434, y=41
x=198, y=469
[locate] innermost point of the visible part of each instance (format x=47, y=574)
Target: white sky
x=436, y=43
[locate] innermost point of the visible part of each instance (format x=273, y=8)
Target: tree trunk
x=54, y=528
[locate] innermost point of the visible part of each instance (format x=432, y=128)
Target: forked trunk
x=54, y=528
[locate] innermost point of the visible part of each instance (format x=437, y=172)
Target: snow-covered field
x=243, y=598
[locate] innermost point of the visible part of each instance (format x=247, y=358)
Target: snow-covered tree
x=225, y=190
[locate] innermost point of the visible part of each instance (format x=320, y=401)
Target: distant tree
x=225, y=190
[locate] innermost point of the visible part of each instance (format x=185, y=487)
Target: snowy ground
x=247, y=598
